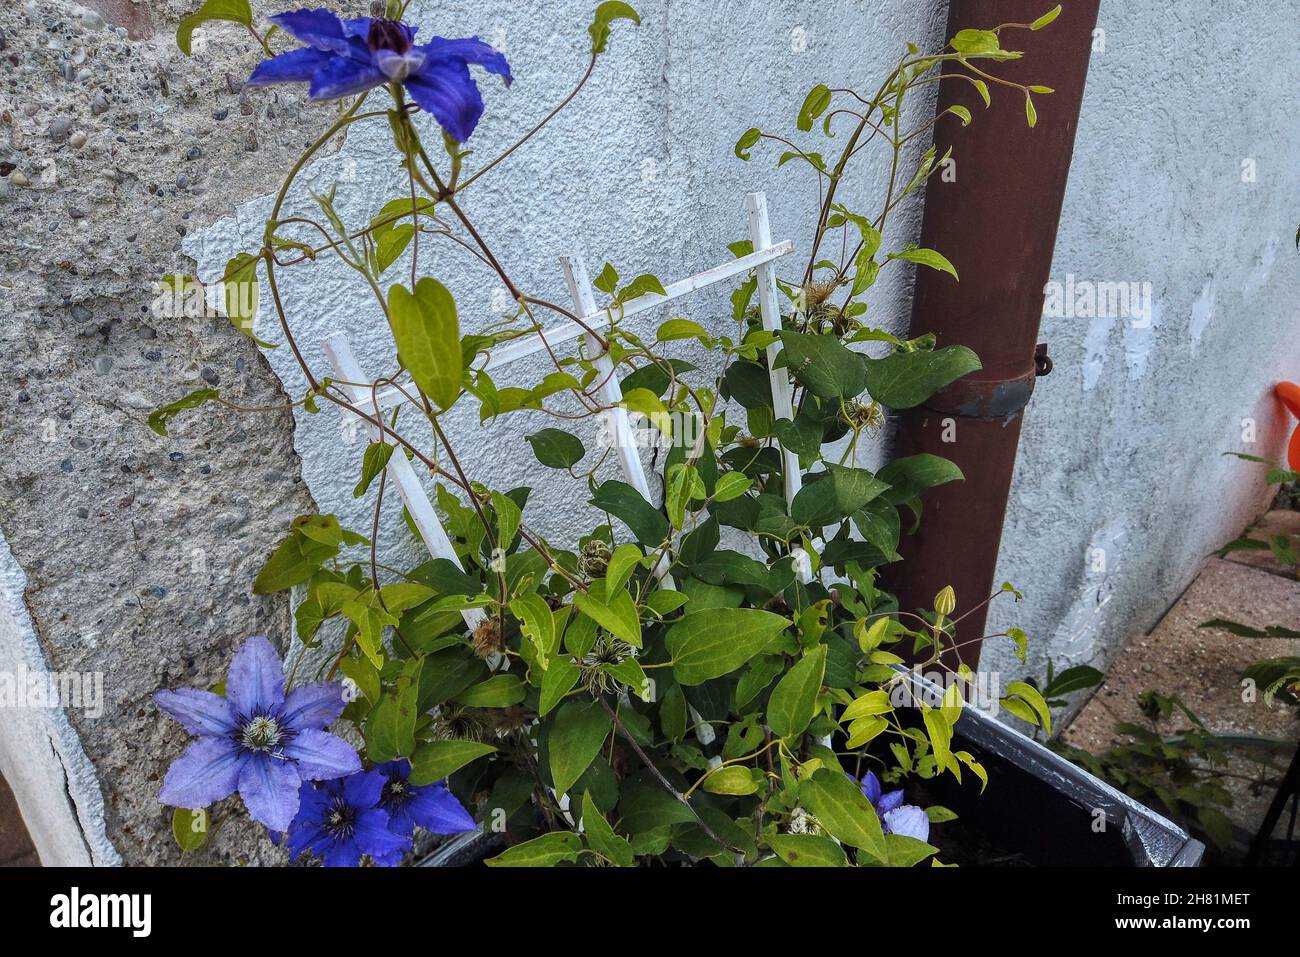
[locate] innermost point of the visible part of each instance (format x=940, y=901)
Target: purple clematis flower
x=256, y=739
x=339, y=821
x=895, y=816
x=431, y=806
x=346, y=57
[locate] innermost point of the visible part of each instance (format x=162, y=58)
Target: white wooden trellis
x=375, y=402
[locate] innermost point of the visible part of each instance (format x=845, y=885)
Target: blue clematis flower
x=431, y=806
x=346, y=57
x=256, y=739
x=895, y=816
x=340, y=821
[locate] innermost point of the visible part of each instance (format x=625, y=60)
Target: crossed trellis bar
x=400, y=471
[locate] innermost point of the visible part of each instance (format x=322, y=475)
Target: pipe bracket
x=971, y=398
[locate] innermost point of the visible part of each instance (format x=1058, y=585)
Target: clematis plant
x=895, y=816
x=347, y=57
x=633, y=690
x=341, y=821
x=256, y=739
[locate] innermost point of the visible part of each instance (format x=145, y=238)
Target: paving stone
x=1203, y=668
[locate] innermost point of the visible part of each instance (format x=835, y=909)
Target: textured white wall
x=1122, y=444
x=639, y=171
x=41, y=756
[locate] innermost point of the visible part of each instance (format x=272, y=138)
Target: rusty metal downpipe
x=996, y=221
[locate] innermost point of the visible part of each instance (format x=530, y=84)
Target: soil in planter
x=963, y=842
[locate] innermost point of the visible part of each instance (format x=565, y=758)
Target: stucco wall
x=638, y=171
x=1122, y=443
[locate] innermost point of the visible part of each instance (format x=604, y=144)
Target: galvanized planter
x=1051, y=812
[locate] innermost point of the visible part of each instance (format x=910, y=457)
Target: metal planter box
x=1049, y=810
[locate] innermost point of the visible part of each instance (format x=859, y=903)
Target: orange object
x=1289, y=393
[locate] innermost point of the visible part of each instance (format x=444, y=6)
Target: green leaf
x=642, y=285
x=940, y=734
x=607, y=13
x=538, y=625
x=927, y=257
x=293, y=562
x=556, y=449
x=1217, y=825
x=240, y=289
x=158, y=418
x=747, y=141
x=794, y=699
x=626, y=503
x=975, y=41
x=374, y=462
x=427, y=334
x=907, y=851
x=675, y=329
x=1031, y=114
x=190, y=828
x=646, y=807
x=814, y=105
x=234, y=11
x=714, y=643
x=617, y=615
x=557, y=682
x=620, y=566
x=557, y=847
x=435, y=760
x=903, y=380
x=601, y=837
x=828, y=368
x=1031, y=695
x=731, y=485
x=580, y=729
x=908, y=477
x=499, y=691
x=844, y=812
x=807, y=850
x=509, y=516
x=841, y=492
x=1073, y=679
x=1046, y=18
x=392, y=244
x=607, y=281
x=390, y=727
x=1022, y=643
x=734, y=780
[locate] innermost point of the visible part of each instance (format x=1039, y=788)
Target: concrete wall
x=1122, y=444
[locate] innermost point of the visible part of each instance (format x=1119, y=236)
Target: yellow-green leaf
x=734, y=780
x=427, y=333
x=235, y=11
x=794, y=699
x=844, y=812
x=546, y=851
x=190, y=828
